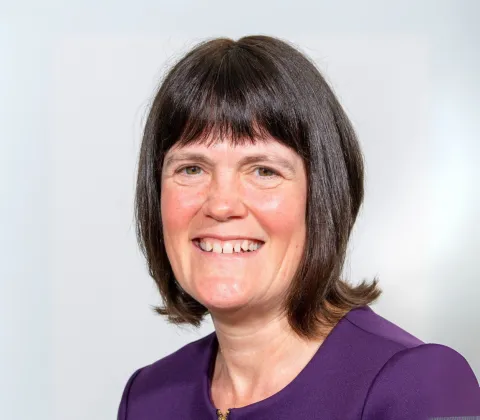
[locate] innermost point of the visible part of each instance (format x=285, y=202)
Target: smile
x=239, y=249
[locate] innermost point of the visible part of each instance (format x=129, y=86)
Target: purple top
x=367, y=368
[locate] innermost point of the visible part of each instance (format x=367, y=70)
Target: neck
x=256, y=359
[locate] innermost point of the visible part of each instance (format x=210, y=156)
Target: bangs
x=230, y=92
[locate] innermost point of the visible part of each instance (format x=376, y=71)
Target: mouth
x=234, y=254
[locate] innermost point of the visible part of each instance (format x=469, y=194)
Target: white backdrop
x=75, y=84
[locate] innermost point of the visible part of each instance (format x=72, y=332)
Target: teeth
x=206, y=246
x=229, y=247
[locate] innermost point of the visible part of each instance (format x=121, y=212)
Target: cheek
x=282, y=213
x=178, y=207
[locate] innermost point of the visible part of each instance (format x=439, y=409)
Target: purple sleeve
x=431, y=380
x=123, y=406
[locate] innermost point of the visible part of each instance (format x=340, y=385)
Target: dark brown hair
x=242, y=90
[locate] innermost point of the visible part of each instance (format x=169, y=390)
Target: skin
x=259, y=353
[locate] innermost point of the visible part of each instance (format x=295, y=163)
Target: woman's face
x=222, y=198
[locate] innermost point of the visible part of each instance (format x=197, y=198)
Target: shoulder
x=409, y=378
x=427, y=380
x=172, y=371
x=380, y=331
x=176, y=365
x=364, y=341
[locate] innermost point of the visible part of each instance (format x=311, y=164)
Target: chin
x=223, y=307
x=222, y=297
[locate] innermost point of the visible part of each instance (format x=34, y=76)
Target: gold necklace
x=222, y=416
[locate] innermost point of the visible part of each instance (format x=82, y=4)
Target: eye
x=195, y=168
x=267, y=172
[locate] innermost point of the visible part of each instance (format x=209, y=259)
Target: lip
x=232, y=256
x=228, y=237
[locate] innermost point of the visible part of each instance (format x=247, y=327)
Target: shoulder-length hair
x=242, y=90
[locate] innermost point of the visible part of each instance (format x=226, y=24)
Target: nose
x=224, y=200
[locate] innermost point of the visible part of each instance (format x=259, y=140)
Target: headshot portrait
x=250, y=210
x=249, y=183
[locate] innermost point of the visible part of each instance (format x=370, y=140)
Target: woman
x=250, y=180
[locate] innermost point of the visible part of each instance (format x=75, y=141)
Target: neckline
x=286, y=391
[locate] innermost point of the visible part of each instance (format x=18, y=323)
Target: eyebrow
x=201, y=158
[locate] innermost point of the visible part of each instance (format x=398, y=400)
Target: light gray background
x=75, y=83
